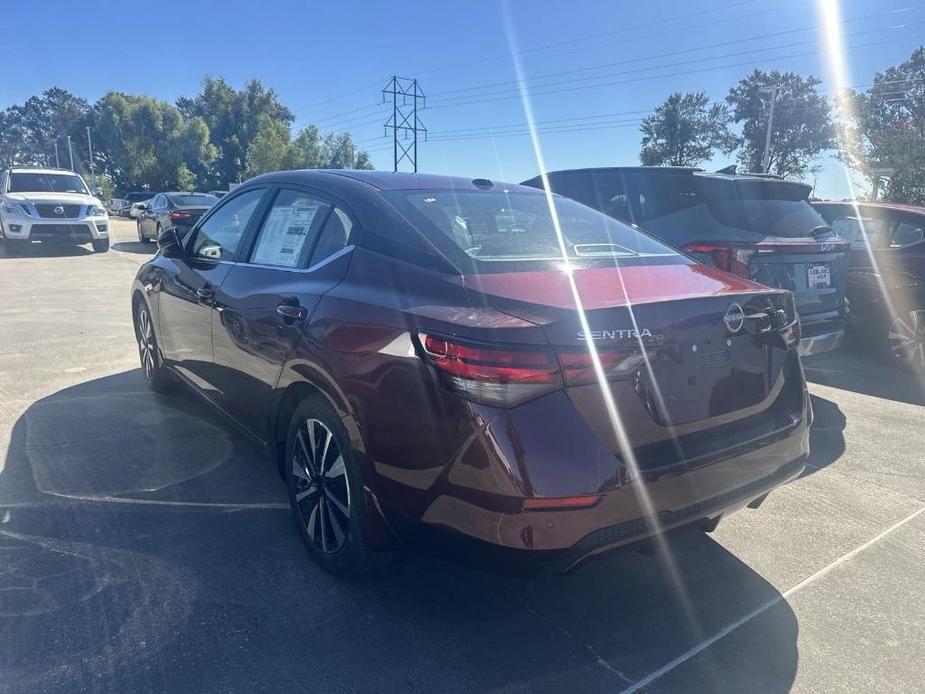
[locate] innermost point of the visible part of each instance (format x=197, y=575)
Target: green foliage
x=802, y=125
x=28, y=132
x=884, y=128
x=149, y=142
x=685, y=131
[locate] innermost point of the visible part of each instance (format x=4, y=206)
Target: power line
x=436, y=96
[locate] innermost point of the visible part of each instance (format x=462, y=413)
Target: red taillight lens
x=729, y=258
x=178, y=215
x=578, y=367
x=494, y=375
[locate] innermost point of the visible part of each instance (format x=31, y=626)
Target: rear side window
x=907, y=234
x=287, y=234
x=491, y=227
x=856, y=229
x=334, y=235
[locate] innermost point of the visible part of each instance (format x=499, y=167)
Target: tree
x=148, y=142
x=307, y=151
x=802, y=125
x=269, y=149
x=884, y=127
x=685, y=131
x=235, y=118
x=29, y=131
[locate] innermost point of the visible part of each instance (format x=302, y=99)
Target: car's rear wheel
x=100, y=245
x=905, y=339
x=326, y=490
x=152, y=365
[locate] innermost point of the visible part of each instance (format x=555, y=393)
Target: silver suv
x=50, y=205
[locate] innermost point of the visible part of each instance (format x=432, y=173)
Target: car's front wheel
x=152, y=365
x=100, y=245
x=905, y=340
x=326, y=490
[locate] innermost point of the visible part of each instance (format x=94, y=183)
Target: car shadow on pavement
x=142, y=248
x=146, y=544
x=46, y=250
x=826, y=438
x=863, y=371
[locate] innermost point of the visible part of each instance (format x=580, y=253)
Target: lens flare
x=638, y=482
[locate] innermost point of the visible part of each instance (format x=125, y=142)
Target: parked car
x=758, y=227
x=130, y=210
x=412, y=353
x=51, y=206
x=181, y=210
x=886, y=279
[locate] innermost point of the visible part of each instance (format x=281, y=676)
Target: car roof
x=347, y=180
x=901, y=207
x=40, y=170
x=665, y=170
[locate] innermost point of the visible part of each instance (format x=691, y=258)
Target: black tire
x=141, y=236
x=331, y=520
x=152, y=363
x=100, y=245
x=902, y=339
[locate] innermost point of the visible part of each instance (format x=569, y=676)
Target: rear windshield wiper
x=587, y=250
x=820, y=230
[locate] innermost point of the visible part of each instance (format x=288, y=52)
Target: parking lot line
x=706, y=643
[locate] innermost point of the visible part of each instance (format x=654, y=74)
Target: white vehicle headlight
x=97, y=211
x=16, y=209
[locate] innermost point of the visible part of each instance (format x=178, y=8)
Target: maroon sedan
x=483, y=361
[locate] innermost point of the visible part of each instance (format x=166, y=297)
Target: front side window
x=286, y=237
x=863, y=232
x=500, y=227
x=219, y=237
x=46, y=183
x=906, y=234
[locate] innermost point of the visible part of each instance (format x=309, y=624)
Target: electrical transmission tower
x=404, y=122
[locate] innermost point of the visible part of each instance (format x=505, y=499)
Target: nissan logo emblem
x=59, y=211
x=734, y=318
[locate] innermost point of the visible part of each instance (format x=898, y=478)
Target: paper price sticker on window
x=284, y=234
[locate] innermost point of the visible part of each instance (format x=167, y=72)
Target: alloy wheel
x=907, y=338
x=322, y=491
x=146, y=343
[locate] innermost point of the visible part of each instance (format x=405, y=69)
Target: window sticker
x=284, y=234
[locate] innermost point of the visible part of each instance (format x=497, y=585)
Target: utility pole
x=57, y=161
x=70, y=151
x=404, y=122
x=90, y=147
x=767, y=140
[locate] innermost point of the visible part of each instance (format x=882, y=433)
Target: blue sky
x=312, y=52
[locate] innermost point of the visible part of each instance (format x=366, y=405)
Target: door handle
x=291, y=311
x=206, y=293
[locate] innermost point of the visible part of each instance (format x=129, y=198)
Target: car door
x=186, y=299
x=147, y=217
x=297, y=254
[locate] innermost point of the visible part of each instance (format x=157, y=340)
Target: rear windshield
x=193, y=199
x=497, y=226
x=46, y=183
x=139, y=197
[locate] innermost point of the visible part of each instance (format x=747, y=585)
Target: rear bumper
x=822, y=333
x=653, y=502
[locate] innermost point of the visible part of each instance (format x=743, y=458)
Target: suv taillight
x=730, y=258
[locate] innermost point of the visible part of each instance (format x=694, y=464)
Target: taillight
x=495, y=375
x=726, y=257
x=178, y=215
x=508, y=375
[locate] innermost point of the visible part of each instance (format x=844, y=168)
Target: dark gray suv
x=755, y=226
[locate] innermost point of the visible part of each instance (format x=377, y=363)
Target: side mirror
x=96, y=191
x=169, y=243
x=141, y=207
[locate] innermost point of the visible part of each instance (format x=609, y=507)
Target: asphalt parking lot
x=145, y=545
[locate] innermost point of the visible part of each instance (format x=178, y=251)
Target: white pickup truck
x=51, y=206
